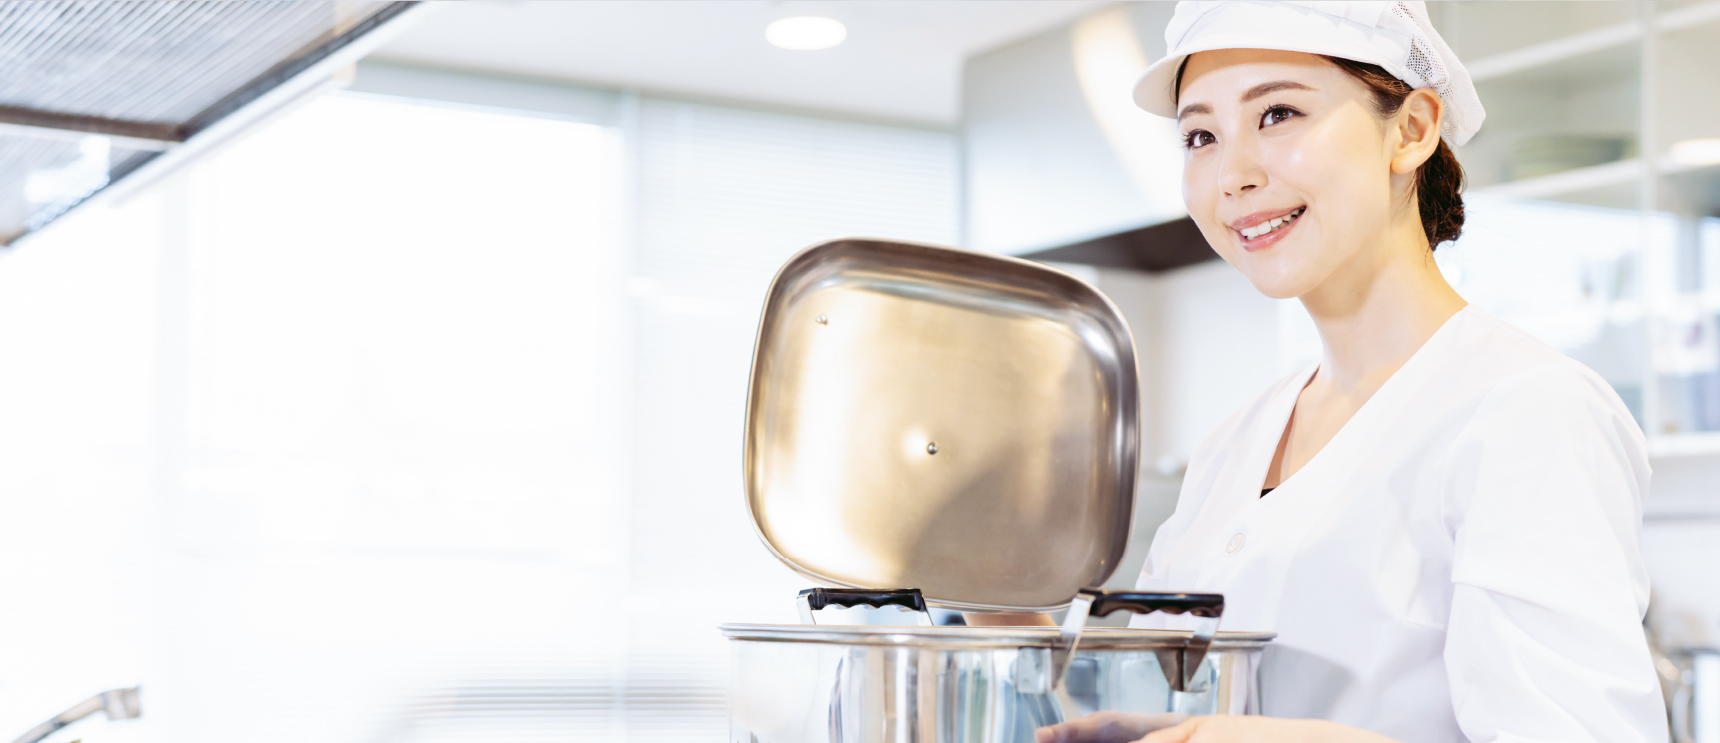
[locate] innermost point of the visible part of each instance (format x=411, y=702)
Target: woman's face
x=1288, y=168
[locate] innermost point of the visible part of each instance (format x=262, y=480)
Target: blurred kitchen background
x=400, y=399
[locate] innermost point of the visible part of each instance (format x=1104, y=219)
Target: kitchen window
x=425, y=392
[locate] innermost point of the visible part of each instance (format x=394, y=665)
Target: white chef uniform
x=1459, y=563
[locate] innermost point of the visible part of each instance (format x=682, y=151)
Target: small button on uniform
x=1235, y=544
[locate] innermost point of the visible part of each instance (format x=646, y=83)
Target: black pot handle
x=848, y=598
x=1209, y=605
x=813, y=599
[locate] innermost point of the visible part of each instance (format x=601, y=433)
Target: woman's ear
x=1418, y=130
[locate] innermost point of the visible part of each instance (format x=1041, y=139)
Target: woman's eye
x=1198, y=138
x=1276, y=115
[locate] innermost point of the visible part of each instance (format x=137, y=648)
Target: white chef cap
x=1394, y=35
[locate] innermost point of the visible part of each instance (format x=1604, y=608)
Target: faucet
x=119, y=704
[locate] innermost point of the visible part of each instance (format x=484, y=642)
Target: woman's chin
x=1281, y=286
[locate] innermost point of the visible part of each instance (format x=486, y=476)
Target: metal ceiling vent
x=94, y=92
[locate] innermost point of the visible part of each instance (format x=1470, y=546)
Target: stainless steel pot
x=821, y=684
x=965, y=424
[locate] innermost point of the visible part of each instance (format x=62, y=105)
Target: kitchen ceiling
x=901, y=60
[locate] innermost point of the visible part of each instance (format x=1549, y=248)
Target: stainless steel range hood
x=96, y=93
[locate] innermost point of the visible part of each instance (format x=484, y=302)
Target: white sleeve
x=1544, y=496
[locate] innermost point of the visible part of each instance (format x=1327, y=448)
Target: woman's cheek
x=1290, y=161
x=1303, y=166
x=1201, y=197
x=1218, y=236
x=1198, y=187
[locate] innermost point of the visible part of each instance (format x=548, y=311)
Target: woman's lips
x=1263, y=241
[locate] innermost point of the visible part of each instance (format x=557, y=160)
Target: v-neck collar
x=1265, y=445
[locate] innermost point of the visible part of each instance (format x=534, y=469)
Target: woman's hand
x=1106, y=727
x=1134, y=727
x=1235, y=729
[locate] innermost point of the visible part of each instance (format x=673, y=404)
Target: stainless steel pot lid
x=958, y=422
x=976, y=638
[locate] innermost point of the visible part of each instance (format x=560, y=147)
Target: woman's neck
x=1374, y=315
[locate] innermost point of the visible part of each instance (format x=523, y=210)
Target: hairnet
x=1394, y=35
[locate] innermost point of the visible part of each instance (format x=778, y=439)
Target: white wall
x=1207, y=343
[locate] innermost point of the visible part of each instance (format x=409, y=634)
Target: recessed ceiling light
x=806, y=33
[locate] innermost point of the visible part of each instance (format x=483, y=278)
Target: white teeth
x=1270, y=225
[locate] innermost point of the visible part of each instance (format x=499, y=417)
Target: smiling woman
x=1440, y=518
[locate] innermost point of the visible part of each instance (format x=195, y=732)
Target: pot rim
x=981, y=638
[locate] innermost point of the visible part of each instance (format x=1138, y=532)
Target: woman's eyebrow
x=1192, y=109
x=1272, y=87
x=1252, y=93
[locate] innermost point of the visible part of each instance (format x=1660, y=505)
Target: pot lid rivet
x=822, y=320
x=932, y=448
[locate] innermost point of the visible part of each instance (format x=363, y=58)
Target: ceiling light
x=806, y=33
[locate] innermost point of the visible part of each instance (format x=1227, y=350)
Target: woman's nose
x=1240, y=171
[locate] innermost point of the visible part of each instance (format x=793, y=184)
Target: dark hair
x=1438, y=182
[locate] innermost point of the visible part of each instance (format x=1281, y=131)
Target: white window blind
x=399, y=472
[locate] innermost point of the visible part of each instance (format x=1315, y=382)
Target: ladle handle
x=1209, y=605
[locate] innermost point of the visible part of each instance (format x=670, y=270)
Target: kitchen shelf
x=1576, y=45
x=1684, y=444
x=1617, y=173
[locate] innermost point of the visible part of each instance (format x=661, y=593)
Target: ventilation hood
x=100, y=93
